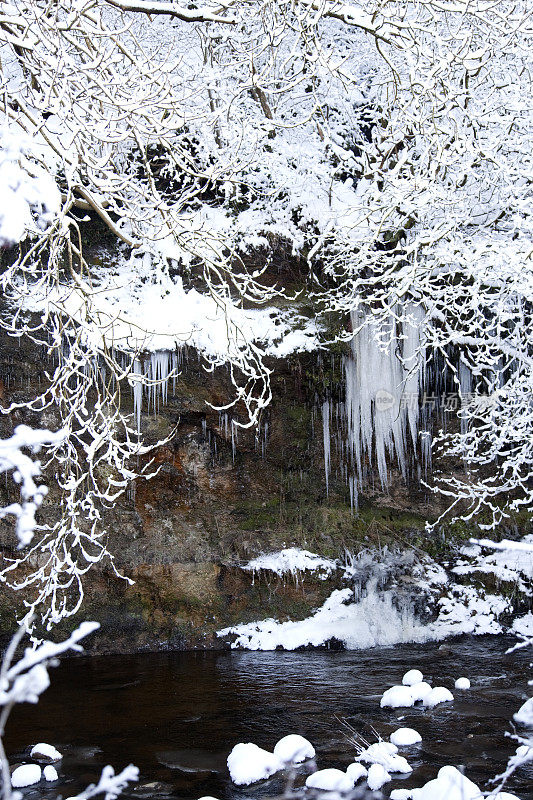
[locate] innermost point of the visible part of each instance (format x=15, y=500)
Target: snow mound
x=397, y=697
x=330, y=780
x=293, y=560
x=404, y=737
x=293, y=749
x=462, y=683
x=411, y=677
x=248, y=763
x=436, y=696
x=524, y=715
x=385, y=753
x=377, y=776
x=50, y=773
x=356, y=772
x=26, y=775
x=45, y=751
x=371, y=622
x=450, y=784
x=420, y=691
x=524, y=625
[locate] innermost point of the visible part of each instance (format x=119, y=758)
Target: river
x=177, y=715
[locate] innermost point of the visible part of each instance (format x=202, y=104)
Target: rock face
x=217, y=502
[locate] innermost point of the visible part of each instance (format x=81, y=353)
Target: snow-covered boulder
x=26, y=775
x=411, y=677
x=356, y=772
x=404, y=737
x=385, y=753
x=419, y=691
x=45, y=752
x=437, y=695
x=462, y=683
x=330, y=780
x=293, y=749
x=397, y=697
x=450, y=784
x=377, y=776
x=50, y=773
x=524, y=715
x=248, y=763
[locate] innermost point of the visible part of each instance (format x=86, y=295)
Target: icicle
x=137, y=393
x=465, y=386
x=327, y=441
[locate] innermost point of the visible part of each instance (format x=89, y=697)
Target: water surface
x=177, y=715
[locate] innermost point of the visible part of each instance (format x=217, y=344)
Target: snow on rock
x=293, y=749
x=450, y=784
x=411, y=677
x=400, y=794
x=356, y=772
x=437, y=695
x=512, y=561
x=524, y=715
x=330, y=780
x=26, y=775
x=50, y=773
x=293, y=560
x=468, y=610
x=385, y=753
x=248, y=763
x=45, y=751
x=462, y=683
x=397, y=697
x=377, y=776
x=524, y=625
x=373, y=621
x=404, y=737
x=420, y=691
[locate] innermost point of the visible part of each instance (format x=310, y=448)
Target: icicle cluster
x=153, y=372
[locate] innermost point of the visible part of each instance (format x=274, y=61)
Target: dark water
x=177, y=715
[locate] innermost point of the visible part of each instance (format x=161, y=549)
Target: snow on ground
x=293, y=560
x=511, y=563
x=403, y=737
x=465, y=609
x=524, y=625
x=248, y=763
x=373, y=621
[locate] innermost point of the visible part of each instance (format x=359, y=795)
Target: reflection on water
x=177, y=715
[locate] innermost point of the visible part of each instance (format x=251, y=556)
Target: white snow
x=511, y=561
x=397, y=697
x=400, y=794
x=419, y=691
x=377, y=776
x=468, y=610
x=293, y=749
x=373, y=621
x=293, y=560
x=403, y=737
x=524, y=625
x=450, y=784
x=524, y=715
x=50, y=773
x=411, y=677
x=330, y=780
x=462, y=683
x=436, y=696
x=356, y=771
x=248, y=763
x=385, y=753
x=26, y=775
x=43, y=750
